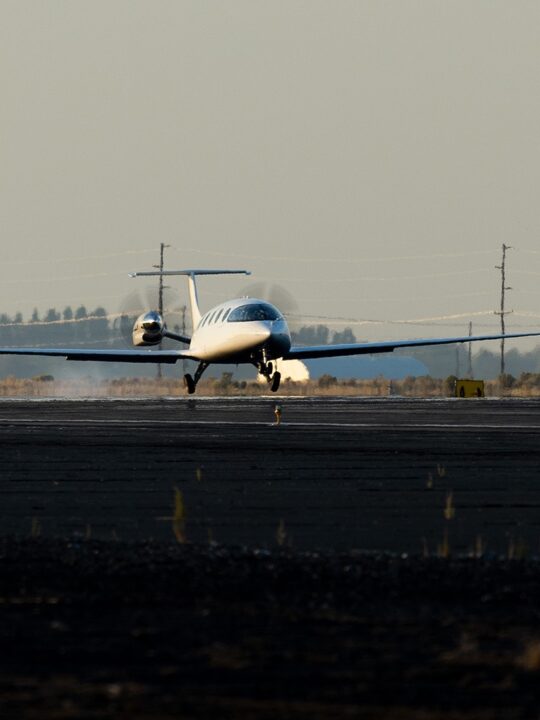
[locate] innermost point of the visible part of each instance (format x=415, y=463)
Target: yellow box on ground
x=469, y=388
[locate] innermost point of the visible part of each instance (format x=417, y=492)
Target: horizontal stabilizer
x=191, y=275
x=190, y=272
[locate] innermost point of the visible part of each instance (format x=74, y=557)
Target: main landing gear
x=266, y=369
x=190, y=383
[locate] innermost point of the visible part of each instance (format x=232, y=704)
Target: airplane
x=243, y=330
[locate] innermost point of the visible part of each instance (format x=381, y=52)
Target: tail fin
x=193, y=298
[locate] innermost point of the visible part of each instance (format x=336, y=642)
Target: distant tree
x=529, y=380
x=18, y=318
x=407, y=384
x=506, y=380
x=345, y=336
x=80, y=313
x=225, y=381
x=486, y=364
x=35, y=316
x=441, y=361
x=121, y=329
x=311, y=335
x=51, y=315
x=450, y=385
x=326, y=381
x=68, y=313
x=98, y=325
x=5, y=319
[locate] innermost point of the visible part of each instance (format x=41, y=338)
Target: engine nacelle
x=148, y=329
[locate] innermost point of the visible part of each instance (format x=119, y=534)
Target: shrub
x=325, y=381
x=506, y=380
x=450, y=385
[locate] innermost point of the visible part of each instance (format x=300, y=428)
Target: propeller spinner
x=149, y=329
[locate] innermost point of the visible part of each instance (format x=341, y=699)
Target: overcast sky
x=371, y=157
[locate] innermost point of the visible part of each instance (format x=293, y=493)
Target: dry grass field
x=527, y=385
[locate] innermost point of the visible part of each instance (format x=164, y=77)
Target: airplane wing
x=133, y=356
x=320, y=351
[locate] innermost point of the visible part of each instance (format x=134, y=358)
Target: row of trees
x=321, y=335
x=57, y=328
x=81, y=327
x=52, y=315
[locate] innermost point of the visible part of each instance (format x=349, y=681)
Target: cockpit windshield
x=254, y=311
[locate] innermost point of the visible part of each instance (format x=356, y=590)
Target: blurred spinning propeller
x=141, y=301
x=278, y=296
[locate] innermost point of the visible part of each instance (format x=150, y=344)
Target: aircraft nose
x=260, y=331
x=251, y=335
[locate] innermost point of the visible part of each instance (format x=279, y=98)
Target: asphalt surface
x=398, y=475
x=165, y=559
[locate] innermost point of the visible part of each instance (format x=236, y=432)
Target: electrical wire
x=80, y=258
x=348, y=261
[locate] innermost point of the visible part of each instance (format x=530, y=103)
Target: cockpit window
x=254, y=311
x=217, y=316
x=225, y=316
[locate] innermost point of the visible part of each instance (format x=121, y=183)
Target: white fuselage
x=239, y=330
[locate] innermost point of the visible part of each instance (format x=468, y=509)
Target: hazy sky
x=371, y=157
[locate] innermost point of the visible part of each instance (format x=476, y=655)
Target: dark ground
x=167, y=560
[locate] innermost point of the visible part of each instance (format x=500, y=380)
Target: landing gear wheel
x=189, y=384
x=275, y=382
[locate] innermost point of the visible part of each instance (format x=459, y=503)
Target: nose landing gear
x=266, y=369
x=190, y=383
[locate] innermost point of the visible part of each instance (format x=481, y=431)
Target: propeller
x=276, y=295
x=146, y=299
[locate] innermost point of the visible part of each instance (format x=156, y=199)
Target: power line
x=44, y=261
x=304, y=259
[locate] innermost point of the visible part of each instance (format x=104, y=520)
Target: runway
x=179, y=558
x=394, y=474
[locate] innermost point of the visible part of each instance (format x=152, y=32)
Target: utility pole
x=162, y=247
x=183, y=333
x=469, y=369
x=504, y=287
